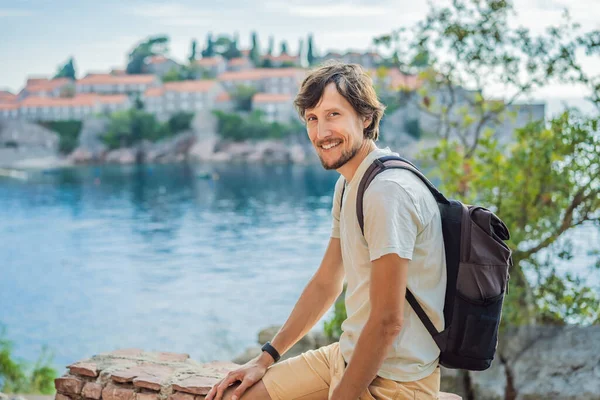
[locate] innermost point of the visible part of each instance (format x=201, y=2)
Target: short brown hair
x=352, y=82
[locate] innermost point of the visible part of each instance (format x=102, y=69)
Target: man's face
x=334, y=128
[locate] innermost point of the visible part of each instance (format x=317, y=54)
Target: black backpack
x=477, y=263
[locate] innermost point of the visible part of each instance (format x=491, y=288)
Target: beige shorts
x=314, y=374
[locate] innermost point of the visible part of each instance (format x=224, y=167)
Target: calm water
x=98, y=258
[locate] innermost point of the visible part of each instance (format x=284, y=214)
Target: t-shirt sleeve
x=336, y=208
x=392, y=221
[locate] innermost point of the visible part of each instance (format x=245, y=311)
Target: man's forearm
x=371, y=349
x=311, y=306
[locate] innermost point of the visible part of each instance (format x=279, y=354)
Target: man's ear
x=367, y=121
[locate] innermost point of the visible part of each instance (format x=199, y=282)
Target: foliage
x=310, y=56
x=18, y=377
x=413, y=128
x=181, y=73
x=130, y=127
x=180, y=122
x=209, y=50
x=543, y=184
x=157, y=45
x=271, y=45
x=67, y=70
x=255, y=51
x=242, y=97
x=233, y=126
x=284, y=47
x=333, y=327
x=192, y=55
x=68, y=132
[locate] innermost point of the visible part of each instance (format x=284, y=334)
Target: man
x=384, y=352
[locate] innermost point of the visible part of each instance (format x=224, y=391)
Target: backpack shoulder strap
x=385, y=163
x=378, y=166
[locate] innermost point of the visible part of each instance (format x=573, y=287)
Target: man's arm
x=320, y=293
x=318, y=296
x=387, y=291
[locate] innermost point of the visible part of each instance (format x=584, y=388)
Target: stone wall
x=133, y=374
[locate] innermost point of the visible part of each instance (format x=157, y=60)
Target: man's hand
x=248, y=374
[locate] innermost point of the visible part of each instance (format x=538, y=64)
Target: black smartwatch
x=271, y=350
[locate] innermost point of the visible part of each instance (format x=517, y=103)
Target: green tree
x=255, y=51
x=18, y=377
x=242, y=97
x=67, y=70
x=209, y=50
x=180, y=122
x=310, y=56
x=128, y=128
x=68, y=133
x=543, y=183
x=192, y=56
x=301, y=52
x=284, y=47
x=271, y=45
x=156, y=45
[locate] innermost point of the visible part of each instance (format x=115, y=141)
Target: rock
x=565, y=365
x=90, y=137
x=268, y=334
x=121, y=156
x=81, y=156
x=321, y=339
x=453, y=380
x=203, y=149
x=489, y=384
x=247, y=355
x=3, y=396
x=297, y=154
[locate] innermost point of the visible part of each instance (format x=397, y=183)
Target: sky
x=36, y=36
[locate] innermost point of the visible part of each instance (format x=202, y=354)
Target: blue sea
x=159, y=257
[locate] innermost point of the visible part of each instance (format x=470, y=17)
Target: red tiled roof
x=271, y=98
x=43, y=85
x=9, y=106
x=222, y=97
x=95, y=79
x=260, y=73
x=209, y=61
x=154, y=92
x=400, y=80
x=157, y=60
x=118, y=71
x=59, y=101
x=190, y=86
x=112, y=99
x=283, y=58
x=7, y=97
x=238, y=61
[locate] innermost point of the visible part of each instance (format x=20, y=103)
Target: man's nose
x=323, y=130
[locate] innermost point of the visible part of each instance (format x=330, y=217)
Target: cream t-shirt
x=402, y=217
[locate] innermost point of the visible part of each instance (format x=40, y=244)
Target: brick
x=196, y=384
x=84, y=368
x=149, y=382
x=181, y=396
x=68, y=384
x=60, y=396
x=92, y=390
x=114, y=392
x=146, y=396
x=132, y=352
x=172, y=357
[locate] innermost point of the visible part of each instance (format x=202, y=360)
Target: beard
x=344, y=158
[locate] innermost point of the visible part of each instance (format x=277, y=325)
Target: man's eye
x=335, y=113
x=310, y=118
